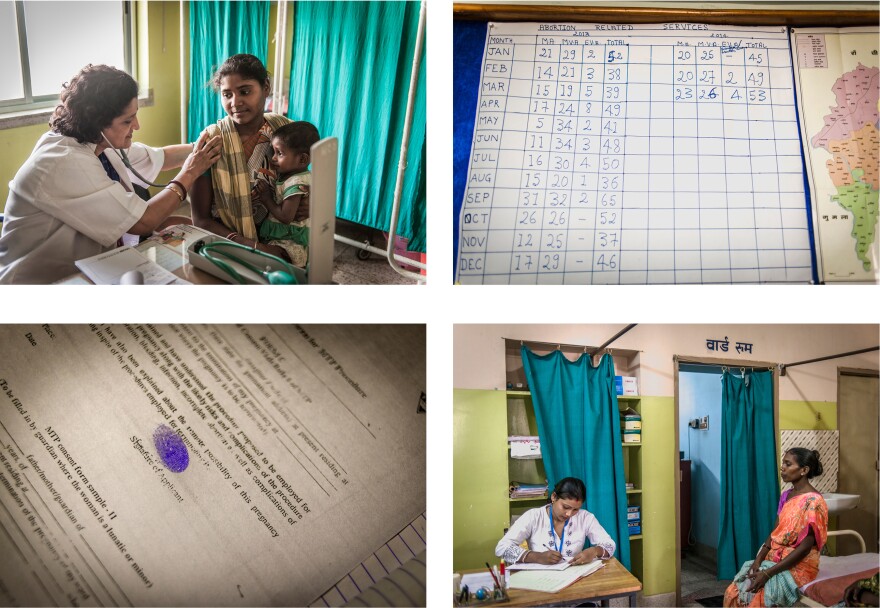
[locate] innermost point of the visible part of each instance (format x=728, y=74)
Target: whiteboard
x=633, y=154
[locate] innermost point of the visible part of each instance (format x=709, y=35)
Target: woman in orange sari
x=800, y=533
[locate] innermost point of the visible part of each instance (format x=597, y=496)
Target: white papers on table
x=560, y=566
x=107, y=268
x=476, y=580
x=551, y=581
x=168, y=248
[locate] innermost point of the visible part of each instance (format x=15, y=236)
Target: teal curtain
x=350, y=76
x=579, y=426
x=218, y=30
x=749, y=468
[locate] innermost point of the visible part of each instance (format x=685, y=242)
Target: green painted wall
x=807, y=415
x=480, y=507
x=659, y=476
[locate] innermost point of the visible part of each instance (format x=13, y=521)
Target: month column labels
x=482, y=199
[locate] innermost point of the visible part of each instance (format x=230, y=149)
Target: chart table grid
x=665, y=153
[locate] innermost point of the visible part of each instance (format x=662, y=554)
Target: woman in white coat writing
x=558, y=531
x=73, y=197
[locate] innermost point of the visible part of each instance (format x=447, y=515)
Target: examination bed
x=837, y=573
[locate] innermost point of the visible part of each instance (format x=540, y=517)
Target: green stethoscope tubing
x=275, y=277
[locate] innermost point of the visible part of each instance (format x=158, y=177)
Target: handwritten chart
x=662, y=153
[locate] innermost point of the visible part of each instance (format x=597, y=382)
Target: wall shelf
x=535, y=499
x=521, y=421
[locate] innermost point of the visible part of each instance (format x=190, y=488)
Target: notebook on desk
x=551, y=581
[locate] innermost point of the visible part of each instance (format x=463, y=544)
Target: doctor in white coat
x=73, y=197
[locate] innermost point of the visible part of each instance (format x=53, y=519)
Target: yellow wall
x=807, y=415
x=660, y=480
x=160, y=124
x=15, y=146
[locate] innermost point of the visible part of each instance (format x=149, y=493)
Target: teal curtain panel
x=350, y=76
x=218, y=30
x=579, y=426
x=749, y=473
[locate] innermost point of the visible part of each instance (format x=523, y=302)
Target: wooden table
x=606, y=583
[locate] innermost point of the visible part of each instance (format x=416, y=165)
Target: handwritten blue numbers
x=721, y=74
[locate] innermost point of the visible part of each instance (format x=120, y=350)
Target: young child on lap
x=287, y=226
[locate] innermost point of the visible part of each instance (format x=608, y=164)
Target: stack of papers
x=520, y=566
x=551, y=581
x=527, y=490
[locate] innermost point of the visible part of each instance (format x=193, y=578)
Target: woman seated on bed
x=226, y=200
x=789, y=558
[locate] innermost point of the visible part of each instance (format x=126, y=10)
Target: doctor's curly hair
x=91, y=100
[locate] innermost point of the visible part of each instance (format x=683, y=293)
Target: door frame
x=857, y=372
x=713, y=361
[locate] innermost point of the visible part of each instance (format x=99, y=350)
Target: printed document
x=225, y=465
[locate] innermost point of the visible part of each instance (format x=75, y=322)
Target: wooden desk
x=606, y=583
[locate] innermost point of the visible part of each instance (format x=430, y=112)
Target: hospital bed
x=837, y=573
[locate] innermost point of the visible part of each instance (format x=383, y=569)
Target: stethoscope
x=124, y=158
x=274, y=277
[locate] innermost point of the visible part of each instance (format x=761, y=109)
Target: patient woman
x=227, y=200
x=789, y=558
x=557, y=532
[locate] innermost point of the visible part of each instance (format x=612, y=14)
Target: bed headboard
x=852, y=532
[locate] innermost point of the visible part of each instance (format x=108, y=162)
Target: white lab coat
x=63, y=207
x=533, y=526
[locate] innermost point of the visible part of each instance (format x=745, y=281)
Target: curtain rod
x=784, y=366
x=593, y=349
x=617, y=335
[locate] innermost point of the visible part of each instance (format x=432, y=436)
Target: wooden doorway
x=858, y=421
x=734, y=364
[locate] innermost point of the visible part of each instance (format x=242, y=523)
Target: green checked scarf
x=230, y=176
